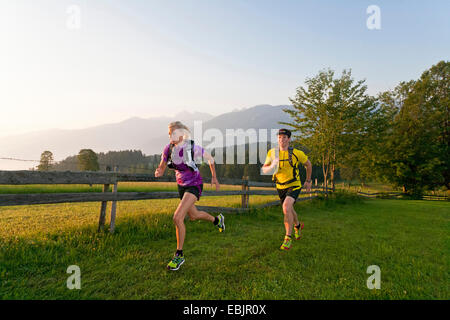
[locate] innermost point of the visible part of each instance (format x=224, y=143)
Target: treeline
x=401, y=136
x=127, y=161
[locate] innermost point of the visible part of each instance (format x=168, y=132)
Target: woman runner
x=180, y=154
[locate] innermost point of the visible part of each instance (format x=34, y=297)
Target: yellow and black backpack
x=294, y=168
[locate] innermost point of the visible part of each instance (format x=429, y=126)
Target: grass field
x=408, y=240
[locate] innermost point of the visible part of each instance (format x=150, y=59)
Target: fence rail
x=24, y=177
x=395, y=195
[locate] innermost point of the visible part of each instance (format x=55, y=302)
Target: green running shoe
x=286, y=243
x=221, y=224
x=176, y=263
x=298, y=232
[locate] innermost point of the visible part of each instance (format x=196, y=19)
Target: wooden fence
x=113, y=178
x=397, y=195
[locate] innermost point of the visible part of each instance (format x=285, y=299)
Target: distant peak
x=262, y=105
x=132, y=119
x=183, y=113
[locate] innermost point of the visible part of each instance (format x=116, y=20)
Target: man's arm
x=270, y=164
x=308, y=182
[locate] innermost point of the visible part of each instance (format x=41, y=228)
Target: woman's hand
x=216, y=182
x=159, y=172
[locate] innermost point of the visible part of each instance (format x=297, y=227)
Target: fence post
x=244, y=197
x=247, y=202
x=101, y=221
x=112, y=225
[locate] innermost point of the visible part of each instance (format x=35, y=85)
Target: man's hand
x=269, y=168
x=216, y=182
x=274, y=163
x=308, y=186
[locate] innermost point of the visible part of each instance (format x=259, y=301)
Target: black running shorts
x=283, y=193
x=195, y=190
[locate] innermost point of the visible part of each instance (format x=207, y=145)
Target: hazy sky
x=73, y=64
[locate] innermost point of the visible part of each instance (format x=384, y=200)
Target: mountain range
x=148, y=135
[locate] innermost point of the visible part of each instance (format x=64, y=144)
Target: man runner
x=285, y=160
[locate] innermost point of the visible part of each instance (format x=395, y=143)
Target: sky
x=79, y=63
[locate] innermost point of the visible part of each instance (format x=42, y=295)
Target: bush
x=337, y=198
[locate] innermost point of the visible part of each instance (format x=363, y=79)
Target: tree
x=87, y=160
x=46, y=161
x=372, y=158
x=329, y=115
x=420, y=138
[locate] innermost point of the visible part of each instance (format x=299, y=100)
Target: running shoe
x=221, y=223
x=176, y=263
x=286, y=243
x=298, y=231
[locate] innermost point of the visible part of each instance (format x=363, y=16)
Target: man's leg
x=294, y=214
x=290, y=217
x=298, y=226
x=288, y=222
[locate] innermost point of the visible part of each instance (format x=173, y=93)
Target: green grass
x=409, y=240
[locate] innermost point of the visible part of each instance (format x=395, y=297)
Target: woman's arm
x=212, y=167
x=161, y=168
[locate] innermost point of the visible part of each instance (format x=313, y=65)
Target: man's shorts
x=195, y=190
x=291, y=192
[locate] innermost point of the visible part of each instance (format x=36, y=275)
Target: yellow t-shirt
x=285, y=172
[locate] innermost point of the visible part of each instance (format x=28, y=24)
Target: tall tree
x=87, y=160
x=328, y=116
x=45, y=161
x=421, y=134
x=373, y=160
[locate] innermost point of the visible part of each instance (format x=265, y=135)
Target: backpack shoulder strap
x=192, y=150
x=293, y=153
x=169, y=158
x=290, y=153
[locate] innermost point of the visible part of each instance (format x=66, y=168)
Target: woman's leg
x=179, y=215
x=195, y=214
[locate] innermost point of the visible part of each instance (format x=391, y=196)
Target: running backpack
x=188, y=157
x=294, y=168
